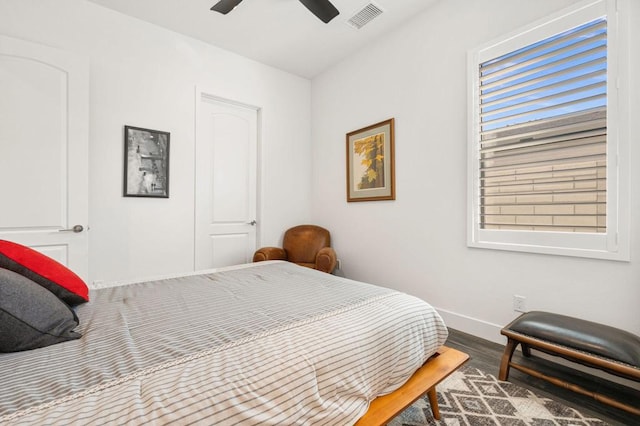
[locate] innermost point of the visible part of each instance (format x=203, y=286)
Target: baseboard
x=473, y=326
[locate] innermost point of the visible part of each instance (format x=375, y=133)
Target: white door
x=44, y=98
x=226, y=180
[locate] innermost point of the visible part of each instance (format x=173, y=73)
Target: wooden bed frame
x=384, y=408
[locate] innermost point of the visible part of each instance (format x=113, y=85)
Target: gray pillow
x=31, y=316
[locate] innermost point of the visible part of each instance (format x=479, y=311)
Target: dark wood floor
x=486, y=355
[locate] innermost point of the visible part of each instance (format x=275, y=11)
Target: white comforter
x=269, y=343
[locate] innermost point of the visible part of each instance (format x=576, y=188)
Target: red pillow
x=45, y=271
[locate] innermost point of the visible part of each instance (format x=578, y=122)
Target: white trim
x=615, y=244
x=557, y=23
x=473, y=326
x=203, y=93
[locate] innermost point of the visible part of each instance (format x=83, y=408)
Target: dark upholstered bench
x=595, y=345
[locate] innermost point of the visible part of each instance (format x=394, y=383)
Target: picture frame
x=146, y=163
x=370, y=163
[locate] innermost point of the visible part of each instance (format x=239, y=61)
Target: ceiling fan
x=323, y=9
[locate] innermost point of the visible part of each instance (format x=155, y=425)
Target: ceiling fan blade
x=323, y=9
x=225, y=6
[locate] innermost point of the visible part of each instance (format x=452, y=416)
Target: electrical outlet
x=519, y=303
x=338, y=264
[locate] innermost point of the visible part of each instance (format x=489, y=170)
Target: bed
x=263, y=343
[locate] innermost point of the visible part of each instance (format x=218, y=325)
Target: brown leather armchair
x=306, y=245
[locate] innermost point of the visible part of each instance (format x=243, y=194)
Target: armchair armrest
x=326, y=260
x=269, y=253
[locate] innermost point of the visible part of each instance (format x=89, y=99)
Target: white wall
x=417, y=243
x=145, y=76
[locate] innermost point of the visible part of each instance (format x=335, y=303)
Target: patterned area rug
x=474, y=398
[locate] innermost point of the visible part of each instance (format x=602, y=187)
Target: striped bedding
x=268, y=343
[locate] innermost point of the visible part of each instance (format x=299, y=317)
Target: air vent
x=365, y=15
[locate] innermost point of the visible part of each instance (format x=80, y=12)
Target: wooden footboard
x=444, y=362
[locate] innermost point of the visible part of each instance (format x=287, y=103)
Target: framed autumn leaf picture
x=370, y=163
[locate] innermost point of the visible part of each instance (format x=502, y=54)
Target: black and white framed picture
x=146, y=163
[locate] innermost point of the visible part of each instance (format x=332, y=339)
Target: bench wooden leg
x=578, y=389
x=529, y=330
x=433, y=400
x=506, y=358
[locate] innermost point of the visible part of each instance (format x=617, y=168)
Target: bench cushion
x=597, y=339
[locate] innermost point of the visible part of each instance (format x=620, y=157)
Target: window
x=545, y=146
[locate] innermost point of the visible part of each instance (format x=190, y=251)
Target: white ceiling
x=280, y=33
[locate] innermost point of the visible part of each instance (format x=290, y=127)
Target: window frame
x=614, y=244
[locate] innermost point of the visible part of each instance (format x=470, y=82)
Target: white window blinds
x=543, y=134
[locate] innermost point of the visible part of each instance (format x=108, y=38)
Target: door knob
x=76, y=229
x=252, y=223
